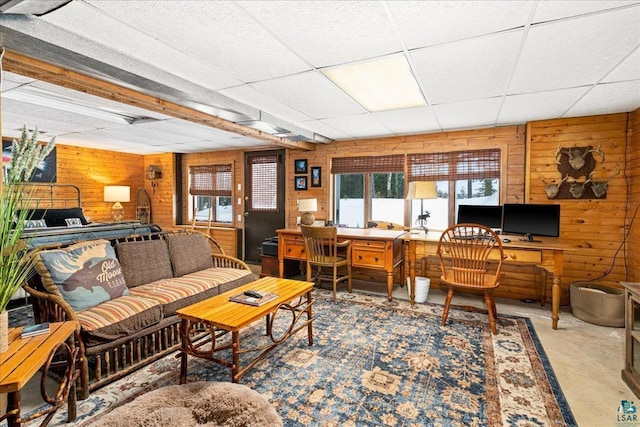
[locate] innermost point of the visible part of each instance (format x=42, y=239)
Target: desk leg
x=555, y=301
x=412, y=270
x=389, y=285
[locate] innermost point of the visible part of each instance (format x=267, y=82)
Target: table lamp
x=117, y=194
x=306, y=206
x=421, y=190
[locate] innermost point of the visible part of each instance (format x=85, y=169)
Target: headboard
x=54, y=195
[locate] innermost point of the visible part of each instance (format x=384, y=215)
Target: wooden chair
x=324, y=250
x=464, y=251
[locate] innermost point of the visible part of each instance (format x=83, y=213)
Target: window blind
x=363, y=164
x=210, y=180
x=263, y=186
x=455, y=165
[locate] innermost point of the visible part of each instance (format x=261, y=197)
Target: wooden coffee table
x=218, y=314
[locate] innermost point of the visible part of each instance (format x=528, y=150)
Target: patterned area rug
x=379, y=363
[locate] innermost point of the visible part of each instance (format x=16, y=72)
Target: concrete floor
x=586, y=358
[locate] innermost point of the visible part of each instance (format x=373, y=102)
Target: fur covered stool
x=201, y=404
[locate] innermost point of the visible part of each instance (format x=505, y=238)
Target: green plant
x=16, y=196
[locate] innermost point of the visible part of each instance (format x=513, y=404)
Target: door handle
x=246, y=214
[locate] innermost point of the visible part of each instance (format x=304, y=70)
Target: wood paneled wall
x=632, y=249
x=162, y=196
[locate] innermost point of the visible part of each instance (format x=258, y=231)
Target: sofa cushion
x=189, y=253
x=144, y=262
x=85, y=274
x=180, y=292
x=118, y=318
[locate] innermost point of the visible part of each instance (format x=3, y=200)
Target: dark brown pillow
x=144, y=262
x=189, y=253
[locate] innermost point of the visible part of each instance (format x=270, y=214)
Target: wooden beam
x=34, y=68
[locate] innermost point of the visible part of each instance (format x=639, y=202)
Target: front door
x=264, y=199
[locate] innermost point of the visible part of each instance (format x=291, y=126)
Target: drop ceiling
x=261, y=64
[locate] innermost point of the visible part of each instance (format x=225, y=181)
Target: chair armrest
x=227, y=261
x=343, y=243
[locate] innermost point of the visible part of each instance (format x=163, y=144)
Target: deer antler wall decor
x=577, y=167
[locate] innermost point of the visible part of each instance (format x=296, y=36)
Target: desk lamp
x=306, y=206
x=421, y=190
x=117, y=194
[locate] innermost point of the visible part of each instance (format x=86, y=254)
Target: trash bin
x=422, y=288
x=598, y=304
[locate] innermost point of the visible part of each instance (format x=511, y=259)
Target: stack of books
x=33, y=330
x=251, y=298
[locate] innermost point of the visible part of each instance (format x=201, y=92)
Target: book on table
x=252, y=300
x=33, y=330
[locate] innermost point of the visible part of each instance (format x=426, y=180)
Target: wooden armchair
x=464, y=251
x=325, y=251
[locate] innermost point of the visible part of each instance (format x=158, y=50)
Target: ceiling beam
x=40, y=70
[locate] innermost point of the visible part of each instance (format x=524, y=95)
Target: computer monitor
x=531, y=220
x=489, y=216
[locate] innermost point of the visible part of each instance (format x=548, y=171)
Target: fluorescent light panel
x=385, y=84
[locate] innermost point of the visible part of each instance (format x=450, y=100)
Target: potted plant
x=16, y=196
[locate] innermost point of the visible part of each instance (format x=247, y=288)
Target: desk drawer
x=293, y=247
x=370, y=258
x=368, y=244
x=519, y=255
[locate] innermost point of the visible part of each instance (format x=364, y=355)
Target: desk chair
x=324, y=250
x=466, y=249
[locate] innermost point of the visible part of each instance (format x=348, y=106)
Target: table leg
x=184, y=332
x=235, y=355
x=389, y=285
x=13, y=408
x=555, y=301
x=309, y=317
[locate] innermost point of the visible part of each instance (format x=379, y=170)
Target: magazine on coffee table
x=246, y=299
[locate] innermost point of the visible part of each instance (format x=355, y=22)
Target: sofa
x=124, y=293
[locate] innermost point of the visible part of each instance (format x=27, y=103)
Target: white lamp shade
x=308, y=205
x=117, y=193
x=422, y=190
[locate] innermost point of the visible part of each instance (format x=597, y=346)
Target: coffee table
x=218, y=315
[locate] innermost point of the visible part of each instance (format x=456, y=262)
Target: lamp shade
x=117, y=193
x=422, y=190
x=307, y=205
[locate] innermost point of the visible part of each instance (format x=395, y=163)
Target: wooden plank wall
x=633, y=172
x=595, y=227
x=162, y=196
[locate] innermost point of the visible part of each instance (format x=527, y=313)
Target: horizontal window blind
x=476, y=164
x=210, y=180
x=363, y=164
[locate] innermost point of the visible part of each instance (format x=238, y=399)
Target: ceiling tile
x=467, y=115
x=250, y=96
x=429, y=23
x=584, y=50
x=558, y=9
x=358, y=126
x=327, y=33
x=310, y=93
x=471, y=69
x=629, y=69
x=321, y=128
x=410, y=121
x=608, y=98
x=518, y=109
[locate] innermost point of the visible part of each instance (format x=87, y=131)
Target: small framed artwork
x=301, y=166
x=301, y=182
x=316, y=176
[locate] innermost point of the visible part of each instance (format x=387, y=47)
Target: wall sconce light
x=117, y=194
x=153, y=172
x=306, y=206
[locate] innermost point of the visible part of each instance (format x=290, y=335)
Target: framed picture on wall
x=301, y=166
x=46, y=171
x=316, y=176
x=301, y=182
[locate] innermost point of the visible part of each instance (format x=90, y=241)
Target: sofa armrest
x=49, y=307
x=227, y=261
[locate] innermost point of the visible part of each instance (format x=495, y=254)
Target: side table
x=25, y=357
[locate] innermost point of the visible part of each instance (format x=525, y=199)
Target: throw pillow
x=85, y=274
x=144, y=262
x=57, y=217
x=189, y=253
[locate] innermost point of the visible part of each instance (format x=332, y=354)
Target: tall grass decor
x=17, y=197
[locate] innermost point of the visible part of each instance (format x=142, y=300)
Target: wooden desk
x=548, y=255
x=370, y=248
x=25, y=357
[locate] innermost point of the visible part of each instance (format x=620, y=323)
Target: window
x=462, y=177
x=210, y=189
x=368, y=188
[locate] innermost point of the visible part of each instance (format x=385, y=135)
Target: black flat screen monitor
x=531, y=220
x=489, y=216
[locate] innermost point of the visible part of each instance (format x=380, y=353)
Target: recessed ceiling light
x=384, y=84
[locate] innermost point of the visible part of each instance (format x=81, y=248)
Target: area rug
x=379, y=363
